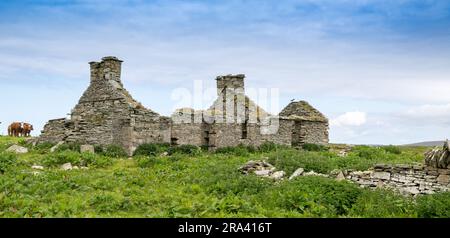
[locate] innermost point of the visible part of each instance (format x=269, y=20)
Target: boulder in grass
x=297, y=173
x=87, y=149
x=263, y=173
x=66, y=166
x=277, y=175
x=17, y=149
x=40, y=167
x=340, y=176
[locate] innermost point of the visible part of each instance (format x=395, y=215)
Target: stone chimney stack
x=233, y=82
x=108, y=69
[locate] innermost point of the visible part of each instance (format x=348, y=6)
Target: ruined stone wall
x=278, y=131
x=407, y=179
x=187, y=127
x=149, y=129
x=315, y=132
x=115, y=122
x=231, y=134
x=107, y=114
x=55, y=130
x=96, y=122
x=188, y=133
x=226, y=134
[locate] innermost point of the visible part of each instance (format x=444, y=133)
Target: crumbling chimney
x=108, y=69
x=233, y=82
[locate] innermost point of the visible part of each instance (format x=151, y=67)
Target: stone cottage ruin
x=107, y=114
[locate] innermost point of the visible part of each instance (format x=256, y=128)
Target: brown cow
x=15, y=129
x=26, y=129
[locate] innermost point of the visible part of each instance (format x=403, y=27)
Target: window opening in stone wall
x=244, y=130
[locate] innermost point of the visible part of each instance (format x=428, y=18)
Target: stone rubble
x=261, y=168
x=312, y=173
x=408, y=179
x=439, y=157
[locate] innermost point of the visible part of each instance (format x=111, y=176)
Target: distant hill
x=427, y=143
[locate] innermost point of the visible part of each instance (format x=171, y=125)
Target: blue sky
x=380, y=70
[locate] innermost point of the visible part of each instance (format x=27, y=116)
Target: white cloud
x=350, y=119
x=429, y=111
x=437, y=114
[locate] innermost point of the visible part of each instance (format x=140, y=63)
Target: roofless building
x=107, y=114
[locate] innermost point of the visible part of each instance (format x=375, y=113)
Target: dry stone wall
x=407, y=179
x=276, y=130
x=188, y=134
x=315, y=132
x=56, y=130
x=439, y=157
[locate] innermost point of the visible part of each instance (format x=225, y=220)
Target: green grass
x=201, y=184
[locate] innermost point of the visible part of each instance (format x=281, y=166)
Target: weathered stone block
x=66, y=166
x=297, y=173
x=277, y=175
x=87, y=148
x=263, y=173
x=443, y=179
x=381, y=175
x=340, y=176
x=411, y=190
x=444, y=171
x=17, y=149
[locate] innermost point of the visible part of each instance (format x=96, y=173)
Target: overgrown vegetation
x=392, y=149
x=44, y=147
x=77, y=159
x=314, y=147
x=69, y=146
x=184, y=149
x=240, y=150
x=7, y=160
x=151, y=149
x=189, y=182
x=114, y=151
